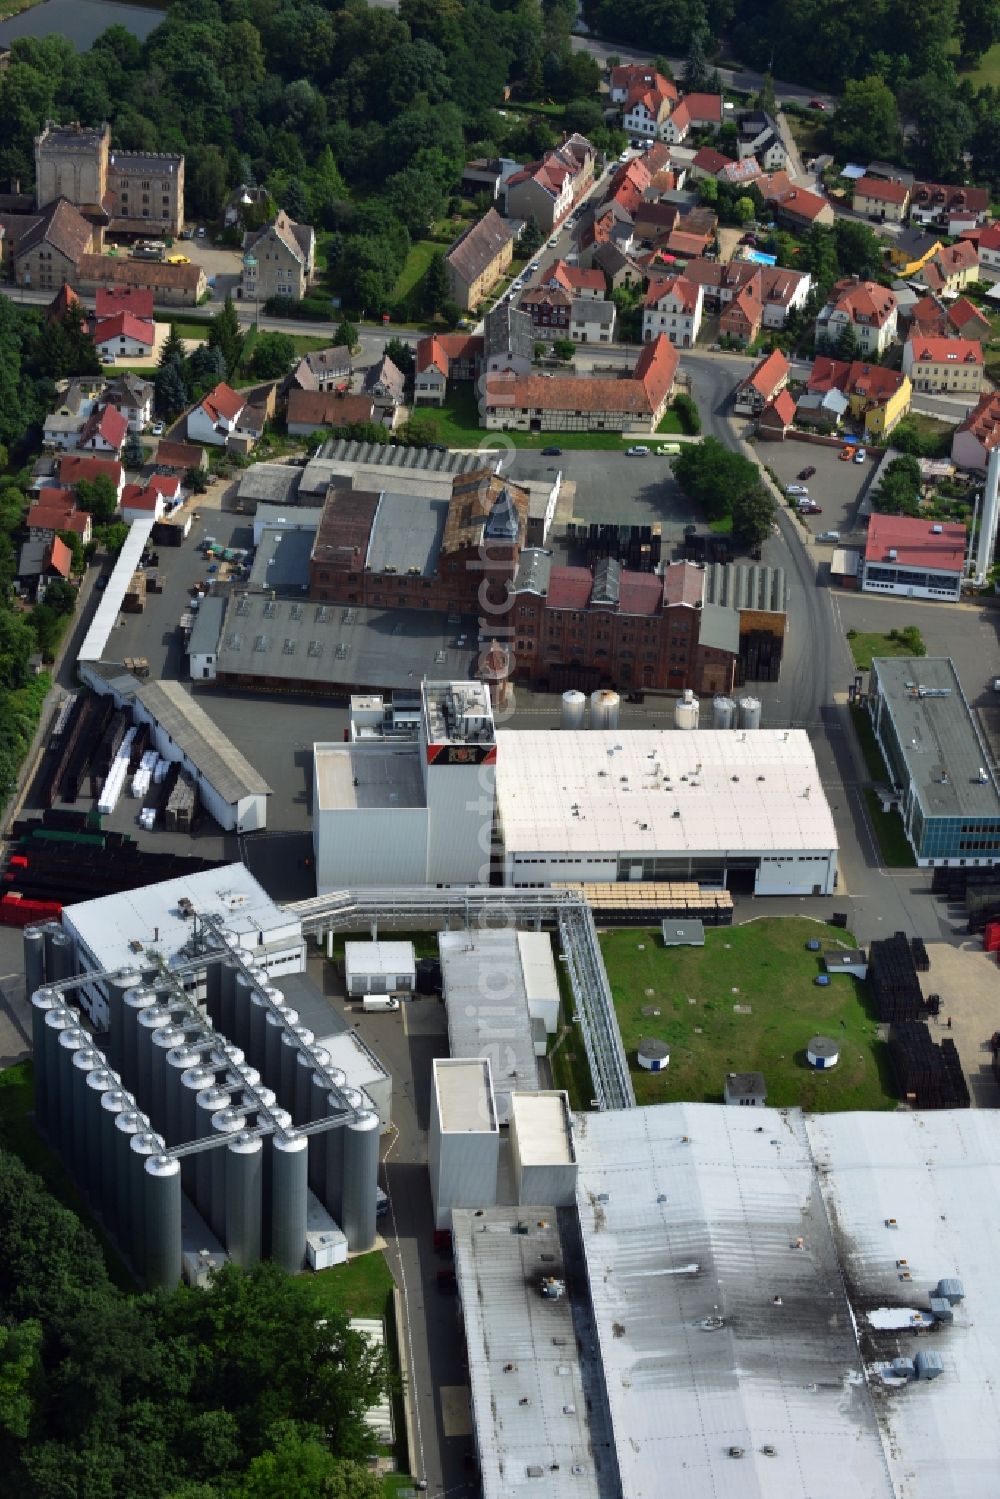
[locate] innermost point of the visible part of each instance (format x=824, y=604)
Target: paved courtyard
x=837, y=486
x=968, y=982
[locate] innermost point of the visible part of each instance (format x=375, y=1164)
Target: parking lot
x=217, y=260
x=615, y=489
x=837, y=486
x=968, y=633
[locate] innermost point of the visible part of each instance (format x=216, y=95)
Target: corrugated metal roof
x=203, y=742
x=746, y=586
x=110, y=601
x=488, y=1009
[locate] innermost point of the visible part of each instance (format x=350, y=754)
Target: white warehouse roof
x=593, y=790
x=748, y=1298
x=384, y=958
x=464, y=1090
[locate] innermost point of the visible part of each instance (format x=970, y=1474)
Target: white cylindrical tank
x=687, y=710
x=244, y=1202
x=333, y=1195
x=162, y=1194
x=33, y=948
x=102, y=1080
x=71, y=1040
x=161, y=1042
x=114, y=1102
x=134, y=1003
x=154, y=1018
x=305, y=1066
x=749, y=712
x=361, y=1139
x=319, y=1108
x=279, y=1018
x=43, y=1001
x=723, y=713
x=289, y=1200
x=291, y=1044
x=142, y=1146
x=117, y=988
x=605, y=707
x=653, y=1055
x=130, y=1122
x=59, y=954
x=209, y=1102
x=228, y=1122
x=282, y=1121
x=573, y=711
x=822, y=1052
x=85, y=1061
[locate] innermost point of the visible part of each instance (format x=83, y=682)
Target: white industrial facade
x=542, y=1151
x=390, y=809
x=149, y=927
x=541, y=983
x=463, y=1142
x=487, y=1006
x=642, y=804
x=379, y=968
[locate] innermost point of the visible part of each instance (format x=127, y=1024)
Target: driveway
x=217, y=261
x=836, y=486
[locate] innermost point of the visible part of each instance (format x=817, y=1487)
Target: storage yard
x=745, y=1001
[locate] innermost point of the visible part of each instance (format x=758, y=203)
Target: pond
x=79, y=21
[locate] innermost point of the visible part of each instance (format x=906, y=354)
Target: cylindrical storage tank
x=208, y=1101
x=143, y=1146
x=319, y=1108
x=71, y=1040
x=305, y=1065
x=225, y=1121
x=243, y=992
x=333, y=1196
x=133, y=1004
x=43, y=1001
x=279, y=1017
x=687, y=711
x=59, y=954
x=33, y=950
x=117, y=988
x=291, y=1043
x=160, y=1043
x=361, y=1138
x=653, y=1055
x=213, y=991
x=289, y=1200
x=154, y=1017
x=749, y=712
x=227, y=999
x=822, y=1052
x=723, y=713
x=85, y=1061
x=244, y=1173
x=573, y=711
x=162, y=1197
x=282, y=1120
x=193, y=1080
x=102, y=1080
x=180, y=1059
x=605, y=707
x=113, y=1103
x=58, y=1019
x=259, y=1004
x=130, y=1122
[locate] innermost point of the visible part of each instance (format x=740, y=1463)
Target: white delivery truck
x=372, y=1003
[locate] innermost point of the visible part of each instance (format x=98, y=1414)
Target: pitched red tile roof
x=945, y=350
x=107, y=423
x=780, y=411
x=76, y=466
x=916, y=543
x=574, y=277
x=223, y=403
x=983, y=421
x=570, y=587
x=180, y=455
x=328, y=408
x=639, y=593
x=866, y=301
x=950, y=197
x=962, y=311
x=771, y=372
x=109, y=300
x=683, y=583
x=678, y=286
x=690, y=246
x=796, y=200
x=138, y=497
x=656, y=369
x=880, y=190
x=707, y=107
x=124, y=325
x=49, y=497
x=708, y=159
x=60, y=556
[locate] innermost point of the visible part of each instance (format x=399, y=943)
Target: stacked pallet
x=929, y=1076
x=892, y=975
x=921, y=961
x=645, y=904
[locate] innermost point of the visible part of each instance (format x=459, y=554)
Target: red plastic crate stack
x=991, y=937
x=16, y=911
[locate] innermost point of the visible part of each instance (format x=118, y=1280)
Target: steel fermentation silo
x=280, y=1016
x=71, y=1040
x=749, y=712
x=605, y=707
x=155, y=1017
x=244, y=991
x=33, y=952
x=134, y=1002
x=57, y=1020
x=282, y=1121
x=291, y=1044
x=192, y=1082
x=162, y=1042
x=180, y=1059
x=117, y=987
x=227, y=999
x=113, y=1103
x=723, y=713
x=129, y=1122
x=361, y=1137
x=43, y=1002
x=85, y=1061
x=259, y=1005
x=244, y=1184
x=573, y=710
x=229, y=1122
x=102, y=1080
x=207, y=1103
x=350, y=1100
x=213, y=991
x=319, y=1108
x=687, y=711
x=305, y=1066
x=59, y=954
x=289, y=1200
x=143, y=1146
x=162, y=1196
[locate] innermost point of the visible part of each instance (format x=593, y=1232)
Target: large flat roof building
x=664, y=804
x=918, y=559
x=950, y=802
x=484, y=991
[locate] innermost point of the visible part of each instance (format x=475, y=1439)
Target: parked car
x=158, y=429
x=553, y=241
x=178, y=260
x=807, y=473
x=861, y=455
x=623, y=156
x=669, y=449
x=810, y=507
x=201, y=232
x=551, y=452
x=845, y=455
x=828, y=536
x=818, y=104
x=533, y=267
x=796, y=489
x=100, y=583
x=639, y=451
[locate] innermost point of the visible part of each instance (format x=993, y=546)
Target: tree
x=17, y=643
x=859, y=249
x=20, y=1368
x=133, y=455
x=294, y=1463
x=564, y=349
x=753, y=515
x=713, y=476
x=531, y=238
x=421, y=430
x=866, y=122
x=72, y=540
x=226, y=335
x=196, y=480
x=436, y=289
x=295, y=200
x=169, y=393
x=768, y=98
x=206, y=366
x=346, y=334
x=687, y=413
x=847, y=342
x=743, y=209
x=98, y=497
x=172, y=349
x=899, y=489
x=708, y=190
x=272, y=357
x=696, y=71
x=401, y=354
x=113, y=537
x=978, y=26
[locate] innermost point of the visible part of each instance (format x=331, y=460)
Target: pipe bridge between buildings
x=498, y=906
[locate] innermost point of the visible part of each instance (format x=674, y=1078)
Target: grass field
x=458, y=426
x=874, y=763
x=765, y=966
x=892, y=840
x=415, y=268
x=568, y=1055
x=671, y=422
x=865, y=645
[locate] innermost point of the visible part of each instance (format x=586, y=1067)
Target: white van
x=373, y=1003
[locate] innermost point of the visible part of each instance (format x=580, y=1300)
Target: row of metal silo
x=743, y=713
x=173, y=1078
x=605, y=709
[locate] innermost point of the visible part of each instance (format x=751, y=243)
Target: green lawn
x=458, y=427
x=568, y=1055
x=986, y=71
x=865, y=644
x=723, y=526
x=419, y=258
x=874, y=763
x=763, y=965
x=13, y=7
x=671, y=422
x=304, y=343
x=361, y=1288
x=893, y=843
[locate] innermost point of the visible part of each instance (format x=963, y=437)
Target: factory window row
x=979, y=845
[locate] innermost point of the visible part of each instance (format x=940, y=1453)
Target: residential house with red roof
x=881, y=199
x=39, y=562
x=110, y=300
x=861, y=314
x=987, y=242
x=673, y=307
x=546, y=190
x=72, y=467
x=742, y=318
x=704, y=111
x=949, y=206
x=919, y=559
x=123, y=336
x=574, y=279
x=558, y=403
x=795, y=207
x=216, y=417
x=708, y=162
x=677, y=126
x=878, y=398
x=310, y=410
x=55, y=510
x=780, y=291
x=763, y=383
x=625, y=78
x=104, y=432
x=444, y=357
x=776, y=418
x=951, y=269
x=966, y=321
x=647, y=105
x=944, y=364
x=627, y=185
x=156, y=498
x=978, y=435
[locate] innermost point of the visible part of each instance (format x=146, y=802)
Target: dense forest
x=247, y=1390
